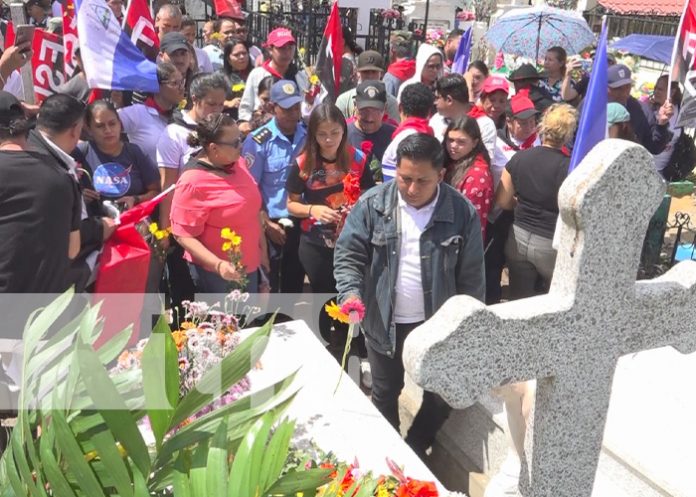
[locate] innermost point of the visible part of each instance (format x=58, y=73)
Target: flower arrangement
x=352, y=312
x=436, y=37
x=232, y=244
x=348, y=480
x=390, y=13
x=204, y=338
x=466, y=15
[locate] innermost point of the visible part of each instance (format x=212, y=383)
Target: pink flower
x=355, y=310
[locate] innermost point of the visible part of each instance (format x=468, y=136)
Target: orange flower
x=180, y=339
x=187, y=325
x=417, y=488
x=335, y=313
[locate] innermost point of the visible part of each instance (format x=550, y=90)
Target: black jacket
x=91, y=228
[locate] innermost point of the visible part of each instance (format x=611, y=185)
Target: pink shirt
x=205, y=202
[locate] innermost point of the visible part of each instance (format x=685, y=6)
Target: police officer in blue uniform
x=269, y=152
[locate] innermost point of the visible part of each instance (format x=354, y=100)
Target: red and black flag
x=139, y=26
x=329, y=60
x=684, y=64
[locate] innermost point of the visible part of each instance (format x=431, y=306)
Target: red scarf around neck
x=418, y=123
x=267, y=66
x=476, y=112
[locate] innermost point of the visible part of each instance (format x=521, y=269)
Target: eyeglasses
x=234, y=143
x=175, y=84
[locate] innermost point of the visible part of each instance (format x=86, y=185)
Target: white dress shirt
x=409, y=306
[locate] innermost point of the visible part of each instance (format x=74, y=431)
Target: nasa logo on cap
x=622, y=73
x=289, y=89
x=371, y=91
x=112, y=179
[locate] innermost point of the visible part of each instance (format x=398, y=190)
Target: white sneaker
x=365, y=373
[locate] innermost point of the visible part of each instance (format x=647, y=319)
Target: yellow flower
x=335, y=313
x=182, y=104
x=160, y=234
x=153, y=228
x=238, y=87
x=314, y=79
x=382, y=491
x=301, y=52
x=233, y=239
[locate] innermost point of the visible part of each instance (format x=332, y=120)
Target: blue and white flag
x=592, y=127
x=461, y=58
x=111, y=60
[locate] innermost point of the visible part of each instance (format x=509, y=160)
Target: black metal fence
x=623, y=25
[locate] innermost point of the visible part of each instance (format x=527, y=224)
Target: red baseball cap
x=280, y=37
x=520, y=106
x=495, y=83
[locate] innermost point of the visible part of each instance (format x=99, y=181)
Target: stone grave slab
x=570, y=339
x=345, y=422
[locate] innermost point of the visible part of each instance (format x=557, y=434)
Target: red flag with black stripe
x=684, y=64
x=330, y=58
x=138, y=24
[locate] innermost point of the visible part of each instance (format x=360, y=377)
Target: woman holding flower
x=236, y=68
x=215, y=211
x=324, y=181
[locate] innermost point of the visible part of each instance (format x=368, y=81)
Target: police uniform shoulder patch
x=262, y=136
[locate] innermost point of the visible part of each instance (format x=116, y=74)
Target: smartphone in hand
x=24, y=33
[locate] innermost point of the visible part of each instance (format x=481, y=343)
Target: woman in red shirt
x=214, y=192
x=468, y=165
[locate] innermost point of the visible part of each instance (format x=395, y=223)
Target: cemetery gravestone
x=571, y=338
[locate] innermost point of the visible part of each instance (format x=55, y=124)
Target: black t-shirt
x=325, y=187
x=537, y=175
x=380, y=139
x=39, y=206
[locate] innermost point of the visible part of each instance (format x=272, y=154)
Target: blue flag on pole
x=592, y=127
x=111, y=60
x=461, y=58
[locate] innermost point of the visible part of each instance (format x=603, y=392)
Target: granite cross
x=571, y=338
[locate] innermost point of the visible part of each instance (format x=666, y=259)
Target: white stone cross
x=571, y=338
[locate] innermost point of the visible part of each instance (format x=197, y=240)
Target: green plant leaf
x=241, y=415
x=160, y=379
x=180, y=480
x=54, y=474
x=105, y=445
x=74, y=458
x=256, y=454
x=112, y=408
x=298, y=481
x=241, y=464
x=115, y=345
x=198, y=470
x=225, y=374
x=12, y=474
x=217, y=470
x=276, y=454
x=22, y=465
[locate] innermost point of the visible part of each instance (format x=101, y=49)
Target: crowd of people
x=459, y=175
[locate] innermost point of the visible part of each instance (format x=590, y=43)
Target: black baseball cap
x=370, y=60
x=371, y=94
x=10, y=109
x=525, y=71
x=173, y=41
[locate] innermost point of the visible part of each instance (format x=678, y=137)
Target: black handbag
x=683, y=158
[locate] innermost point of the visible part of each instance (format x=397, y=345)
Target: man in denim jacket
x=408, y=246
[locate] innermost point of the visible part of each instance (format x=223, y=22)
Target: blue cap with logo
x=285, y=93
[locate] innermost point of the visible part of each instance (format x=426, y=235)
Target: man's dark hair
x=204, y=83
x=453, y=85
x=455, y=33
x=417, y=100
x=401, y=48
x=165, y=71
x=421, y=147
x=59, y=113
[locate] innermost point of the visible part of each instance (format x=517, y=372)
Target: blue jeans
x=210, y=282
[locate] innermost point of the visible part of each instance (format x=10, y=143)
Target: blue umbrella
x=651, y=47
x=527, y=32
